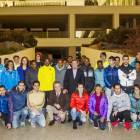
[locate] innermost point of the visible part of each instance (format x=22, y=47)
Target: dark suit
x=70, y=83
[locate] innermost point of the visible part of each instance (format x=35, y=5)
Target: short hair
x=64, y=59
x=70, y=56
x=137, y=62
x=125, y=55
x=83, y=56
x=112, y=58
x=33, y=61
x=137, y=85
x=36, y=81
x=117, y=84
x=117, y=57
x=2, y=86
x=99, y=61
x=50, y=54
x=15, y=56
x=74, y=60
x=21, y=82
x=59, y=60
x=56, y=82
x=47, y=58
x=6, y=59
x=87, y=59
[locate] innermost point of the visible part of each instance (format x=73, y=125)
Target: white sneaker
x=33, y=124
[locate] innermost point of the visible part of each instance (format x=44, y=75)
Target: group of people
x=109, y=92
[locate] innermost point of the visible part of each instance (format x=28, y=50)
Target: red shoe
x=115, y=123
x=127, y=127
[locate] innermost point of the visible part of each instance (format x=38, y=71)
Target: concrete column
x=134, y=23
x=116, y=20
x=127, y=24
x=72, y=51
x=71, y=25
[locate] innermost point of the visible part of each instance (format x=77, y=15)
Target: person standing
x=16, y=59
x=127, y=75
x=31, y=75
x=72, y=77
x=110, y=76
x=2, y=69
x=137, y=59
x=24, y=66
x=89, y=75
x=70, y=58
x=6, y=107
x=38, y=57
x=46, y=77
x=52, y=62
x=117, y=61
x=137, y=68
x=60, y=71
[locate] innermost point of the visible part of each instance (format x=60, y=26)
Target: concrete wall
x=94, y=55
x=30, y=53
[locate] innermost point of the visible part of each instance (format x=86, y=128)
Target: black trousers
x=127, y=89
x=5, y=118
x=122, y=115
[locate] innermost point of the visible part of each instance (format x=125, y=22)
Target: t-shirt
x=97, y=106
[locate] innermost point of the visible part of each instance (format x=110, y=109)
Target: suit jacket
x=70, y=83
x=63, y=100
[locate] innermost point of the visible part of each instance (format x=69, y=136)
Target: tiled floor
x=65, y=132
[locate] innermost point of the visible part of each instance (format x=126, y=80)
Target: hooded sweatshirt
x=2, y=69
x=120, y=102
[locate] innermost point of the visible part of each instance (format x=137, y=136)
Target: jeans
x=75, y=114
x=102, y=125
x=40, y=119
x=16, y=115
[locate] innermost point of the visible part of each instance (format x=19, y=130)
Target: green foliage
x=10, y=50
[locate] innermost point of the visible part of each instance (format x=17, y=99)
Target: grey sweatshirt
x=120, y=102
x=137, y=81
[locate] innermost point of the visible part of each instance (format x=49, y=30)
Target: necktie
x=57, y=97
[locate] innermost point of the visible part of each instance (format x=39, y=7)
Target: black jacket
x=70, y=83
x=30, y=77
x=89, y=78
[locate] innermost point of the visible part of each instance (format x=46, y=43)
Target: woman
x=60, y=71
x=135, y=106
x=38, y=57
x=31, y=75
x=98, y=107
x=79, y=105
x=10, y=77
x=24, y=66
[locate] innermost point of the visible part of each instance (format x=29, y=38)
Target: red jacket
x=79, y=104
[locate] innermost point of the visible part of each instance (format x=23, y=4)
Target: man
x=52, y=62
x=110, y=76
x=19, y=97
x=65, y=62
x=137, y=59
x=70, y=58
x=6, y=107
x=119, y=107
x=60, y=71
x=2, y=69
x=127, y=75
x=99, y=74
x=117, y=61
x=103, y=58
x=73, y=76
x=137, y=68
x=16, y=62
x=35, y=102
x=46, y=77
x=89, y=75
x=83, y=57
x=58, y=103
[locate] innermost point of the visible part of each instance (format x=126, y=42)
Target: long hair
x=102, y=91
x=76, y=90
x=10, y=61
x=22, y=60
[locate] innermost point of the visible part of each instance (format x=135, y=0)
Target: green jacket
x=133, y=103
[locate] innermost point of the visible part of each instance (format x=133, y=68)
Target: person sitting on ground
x=118, y=108
x=58, y=103
x=98, y=106
x=135, y=106
x=137, y=68
x=19, y=97
x=79, y=105
x=35, y=102
x=6, y=107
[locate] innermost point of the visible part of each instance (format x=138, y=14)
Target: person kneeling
x=58, y=103
x=98, y=107
x=6, y=107
x=119, y=107
x=19, y=97
x=35, y=102
x=79, y=105
x=135, y=106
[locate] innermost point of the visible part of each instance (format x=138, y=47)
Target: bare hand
x=124, y=75
x=83, y=113
x=95, y=113
x=102, y=119
x=138, y=115
x=132, y=74
x=57, y=106
x=115, y=113
x=65, y=91
x=8, y=90
x=112, y=89
x=0, y=114
x=109, y=126
x=26, y=107
x=8, y=126
x=60, y=112
x=37, y=113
